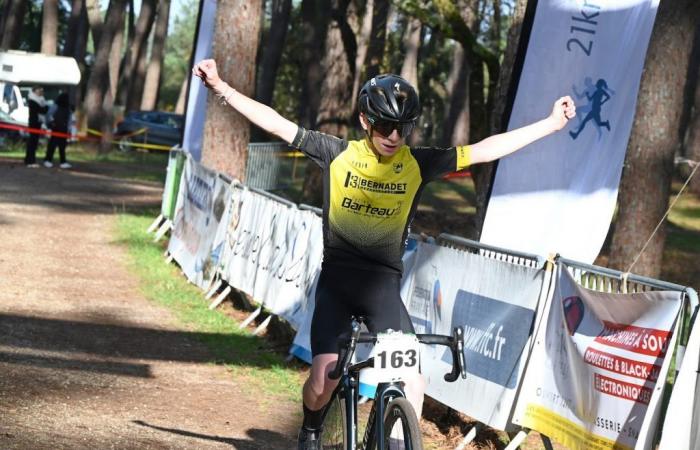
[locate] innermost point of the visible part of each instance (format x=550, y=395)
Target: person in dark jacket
x=59, y=122
x=37, y=106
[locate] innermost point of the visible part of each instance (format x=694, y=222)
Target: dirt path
x=85, y=360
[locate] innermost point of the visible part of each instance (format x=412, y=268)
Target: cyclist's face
x=385, y=137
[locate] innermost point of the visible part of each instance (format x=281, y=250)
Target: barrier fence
x=577, y=352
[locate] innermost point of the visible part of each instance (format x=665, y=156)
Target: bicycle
x=390, y=409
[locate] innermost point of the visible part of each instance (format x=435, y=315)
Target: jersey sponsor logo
x=398, y=167
x=358, y=182
x=369, y=210
x=360, y=164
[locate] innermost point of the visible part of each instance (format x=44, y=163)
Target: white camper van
x=21, y=70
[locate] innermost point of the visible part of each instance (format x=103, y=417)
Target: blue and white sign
x=558, y=195
x=494, y=302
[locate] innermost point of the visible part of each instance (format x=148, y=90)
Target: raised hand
x=563, y=110
x=206, y=71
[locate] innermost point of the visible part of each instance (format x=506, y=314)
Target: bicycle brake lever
x=457, y=348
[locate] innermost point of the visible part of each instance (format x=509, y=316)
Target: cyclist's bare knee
x=414, y=387
x=318, y=387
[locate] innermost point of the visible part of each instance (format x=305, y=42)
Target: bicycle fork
x=385, y=393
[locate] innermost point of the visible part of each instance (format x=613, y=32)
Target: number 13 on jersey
x=396, y=356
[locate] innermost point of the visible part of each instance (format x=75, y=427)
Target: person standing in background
x=37, y=106
x=59, y=122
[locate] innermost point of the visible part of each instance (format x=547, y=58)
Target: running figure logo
x=597, y=96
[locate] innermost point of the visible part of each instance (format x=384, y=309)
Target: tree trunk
x=180, y=105
x=482, y=174
x=115, y=56
x=226, y=132
x=99, y=114
x=692, y=143
x=13, y=24
x=134, y=51
x=272, y=53
x=95, y=19
x=315, y=16
x=334, y=114
x=456, y=129
x=73, y=26
x=646, y=182
x=377, y=39
x=49, y=27
x=362, y=46
x=152, y=83
x=411, y=42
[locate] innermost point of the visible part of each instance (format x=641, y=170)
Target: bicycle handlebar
x=346, y=347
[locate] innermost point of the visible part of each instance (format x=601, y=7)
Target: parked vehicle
x=149, y=127
x=9, y=133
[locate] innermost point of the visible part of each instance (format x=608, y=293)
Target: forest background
x=308, y=58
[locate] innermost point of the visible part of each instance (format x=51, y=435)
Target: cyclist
x=371, y=190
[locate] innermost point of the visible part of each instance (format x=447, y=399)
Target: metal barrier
x=490, y=251
x=270, y=165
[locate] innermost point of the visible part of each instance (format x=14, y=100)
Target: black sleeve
x=435, y=162
x=320, y=147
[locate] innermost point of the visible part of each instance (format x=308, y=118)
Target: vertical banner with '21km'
x=558, y=194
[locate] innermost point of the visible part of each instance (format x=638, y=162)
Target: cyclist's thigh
x=331, y=316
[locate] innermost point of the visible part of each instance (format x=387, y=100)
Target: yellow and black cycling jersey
x=369, y=201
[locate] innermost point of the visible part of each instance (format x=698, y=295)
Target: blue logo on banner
x=495, y=334
x=597, y=95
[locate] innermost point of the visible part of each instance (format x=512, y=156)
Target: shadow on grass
x=24, y=338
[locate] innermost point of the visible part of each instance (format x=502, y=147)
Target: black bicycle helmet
x=389, y=97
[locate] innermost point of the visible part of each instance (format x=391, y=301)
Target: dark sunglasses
x=386, y=127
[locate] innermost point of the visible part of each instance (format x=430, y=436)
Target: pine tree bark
x=115, y=54
x=692, y=144
x=334, y=115
x=272, y=53
x=99, y=112
x=49, y=27
x=482, y=174
x=315, y=16
x=362, y=46
x=226, y=132
x=180, y=105
x=411, y=42
x=95, y=19
x=134, y=51
x=646, y=182
x=153, y=73
x=377, y=39
x=73, y=26
x=13, y=24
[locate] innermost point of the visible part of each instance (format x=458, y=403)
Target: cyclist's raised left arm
x=500, y=145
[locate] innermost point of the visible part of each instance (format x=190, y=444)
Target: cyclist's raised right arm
x=261, y=115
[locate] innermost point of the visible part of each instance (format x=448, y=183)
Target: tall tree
x=12, y=28
x=411, y=43
x=692, y=142
x=272, y=53
x=377, y=39
x=98, y=102
x=49, y=27
x=646, y=183
x=335, y=113
x=315, y=17
x=152, y=82
x=135, y=53
x=226, y=132
x=363, y=37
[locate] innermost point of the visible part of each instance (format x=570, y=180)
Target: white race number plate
x=396, y=356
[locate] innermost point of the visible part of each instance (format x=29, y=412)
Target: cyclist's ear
x=364, y=122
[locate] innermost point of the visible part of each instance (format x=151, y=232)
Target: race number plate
x=396, y=356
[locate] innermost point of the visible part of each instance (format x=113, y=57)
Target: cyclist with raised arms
x=371, y=188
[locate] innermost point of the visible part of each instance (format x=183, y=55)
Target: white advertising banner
x=558, y=195
x=273, y=253
x=598, y=367
x=682, y=423
x=201, y=202
x=494, y=302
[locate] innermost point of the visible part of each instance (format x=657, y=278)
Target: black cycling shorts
x=343, y=292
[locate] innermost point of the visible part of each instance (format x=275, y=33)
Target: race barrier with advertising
x=201, y=200
x=573, y=351
x=173, y=175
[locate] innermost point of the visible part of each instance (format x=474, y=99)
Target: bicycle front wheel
x=401, y=427
x=333, y=436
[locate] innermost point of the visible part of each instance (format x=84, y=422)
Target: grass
x=247, y=356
